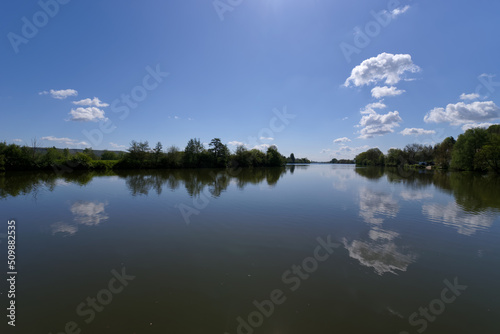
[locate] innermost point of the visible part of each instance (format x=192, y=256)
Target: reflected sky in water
x=401, y=235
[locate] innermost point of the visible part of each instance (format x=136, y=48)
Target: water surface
x=207, y=249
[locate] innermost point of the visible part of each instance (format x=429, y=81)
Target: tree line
x=140, y=156
x=475, y=150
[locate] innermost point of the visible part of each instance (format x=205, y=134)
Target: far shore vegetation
x=475, y=150
x=140, y=156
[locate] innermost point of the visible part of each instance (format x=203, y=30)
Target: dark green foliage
x=466, y=147
x=443, y=151
x=475, y=150
x=395, y=157
x=107, y=155
x=274, y=158
x=219, y=153
x=372, y=157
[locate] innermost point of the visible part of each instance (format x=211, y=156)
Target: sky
x=321, y=79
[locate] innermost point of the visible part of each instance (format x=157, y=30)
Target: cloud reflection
x=84, y=213
x=380, y=252
x=467, y=223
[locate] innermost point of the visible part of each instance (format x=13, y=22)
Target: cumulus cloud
x=89, y=114
x=378, y=92
x=345, y=152
x=416, y=132
x=95, y=102
x=64, y=140
x=384, y=67
x=60, y=94
x=117, y=146
x=375, y=124
x=266, y=138
x=472, y=96
x=398, y=11
x=236, y=143
x=341, y=140
x=262, y=147
x=468, y=126
x=461, y=113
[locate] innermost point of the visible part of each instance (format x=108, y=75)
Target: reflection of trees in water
x=24, y=183
x=196, y=180
x=141, y=182
x=372, y=173
x=474, y=192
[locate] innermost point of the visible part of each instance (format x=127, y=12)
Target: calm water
x=303, y=249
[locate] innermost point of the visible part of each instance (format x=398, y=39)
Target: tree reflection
x=474, y=192
x=142, y=182
x=196, y=180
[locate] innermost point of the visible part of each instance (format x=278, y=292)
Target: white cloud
x=416, y=132
x=236, y=143
x=95, y=102
x=468, y=126
x=398, y=11
x=262, y=147
x=345, y=118
x=342, y=140
x=60, y=94
x=378, y=92
x=64, y=140
x=17, y=140
x=89, y=114
x=345, y=152
x=461, y=113
x=375, y=124
x=472, y=96
x=117, y=146
x=266, y=138
x=385, y=66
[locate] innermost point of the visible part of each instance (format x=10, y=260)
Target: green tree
x=109, y=155
x=443, y=152
x=157, y=151
x=372, y=157
x=292, y=158
x=193, y=152
x=466, y=147
x=395, y=157
x=52, y=156
x=220, y=153
x=274, y=158
x=90, y=153
x=488, y=156
x=66, y=153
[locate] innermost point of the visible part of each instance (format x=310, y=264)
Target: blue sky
x=318, y=78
